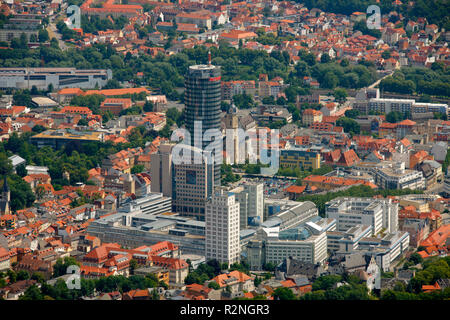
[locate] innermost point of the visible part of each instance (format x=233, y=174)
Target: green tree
x=60, y=267
x=326, y=282
x=349, y=125
x=243, y=101
x=148, y=106
x=283, y=294
x=32, y=293
x=330, y=81
x=214, y=285
x=43, y=35
x=394, y=117
x=82, y=122
x=133, y=266
x=38, y=277
x=386, y=54
x=5, y=165
x=137, y=169
x=352, y=113
x=340, y=95
x=257, y=281
x=416, y=258
x=325, y=58
x=23, y=275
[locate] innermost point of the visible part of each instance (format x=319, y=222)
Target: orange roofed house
x=310, y=116
x=419, y=157
x=438, y=241
x=201, y=19
x=237, y=35
x=235, y=280
x=327, y=183
x=115, y=105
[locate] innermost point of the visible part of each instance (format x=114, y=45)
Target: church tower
x=5, y=198
x=129, y=184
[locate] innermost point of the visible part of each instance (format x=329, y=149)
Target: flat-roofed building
x=347, y=241
x=131, y=227
x=28, y=24
x=268, y=114
x=381, y=214
x=59, y=138
x=368, y=100
x=287, y=214
x=301, y=158
x=193, y=184
x=26, y=78
x=397, y=177
x=387, y=249
x=307, y=242
x=43, y=102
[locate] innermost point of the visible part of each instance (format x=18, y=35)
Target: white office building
x=222, y=227
x=397, y=177
x=381, y=214
x=307, y=242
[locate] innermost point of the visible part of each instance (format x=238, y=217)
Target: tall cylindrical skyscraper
x=202, y=100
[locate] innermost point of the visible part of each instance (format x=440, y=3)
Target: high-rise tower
x=222, y=227
x=202, y=99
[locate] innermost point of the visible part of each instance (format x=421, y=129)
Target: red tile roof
x=221, y=279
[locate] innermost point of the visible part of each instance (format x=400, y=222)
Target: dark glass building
x=202, y=100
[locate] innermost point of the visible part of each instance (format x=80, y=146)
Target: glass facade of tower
x=202, y=100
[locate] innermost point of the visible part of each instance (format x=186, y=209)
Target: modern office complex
x=148, y=220
x=340, y=241
x=222, y=228
x=381, y=214
x=397, y=177
x=385, y=250
x=26, y=78
x=306, y=242
x=287, y=214
x=202, y=99
x=192, y=184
